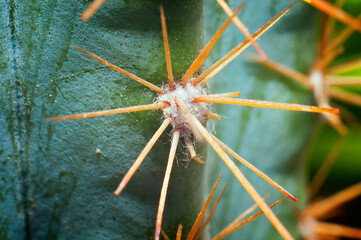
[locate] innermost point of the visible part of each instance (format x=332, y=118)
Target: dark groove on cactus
x=18, y=117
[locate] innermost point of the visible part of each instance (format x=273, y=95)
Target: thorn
x=220, y=64
x=163, y=194
x=160, y=105
x=200, y=216
x=118, y=69
x=336, y=13
x=166, y=48
x=141, y=157
x=242, y=27
x=215, y=116
x=243, y=180
x=266, y=104
x=198, y=62
x=88, y=13
x=248, y=220
x=208, y=219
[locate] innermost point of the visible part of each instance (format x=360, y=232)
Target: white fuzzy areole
x=319, y=90
x=307, y=226
x=187, y=94
x=316, y=79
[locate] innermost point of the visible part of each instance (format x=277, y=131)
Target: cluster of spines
x=322, y=79
x=197, y=128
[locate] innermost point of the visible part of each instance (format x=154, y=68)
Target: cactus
x=57, y=180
